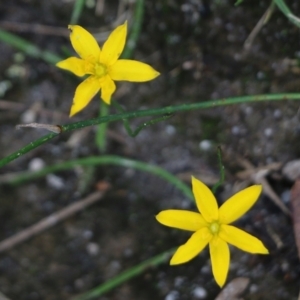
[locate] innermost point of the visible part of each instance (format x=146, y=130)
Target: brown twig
x=257, y=175
x=233, y=289
x=263, y=20
x=21, y=107
x=49, y=221
x=49, y=127
x=295, y=203
x=35, y=28
x=3, y=297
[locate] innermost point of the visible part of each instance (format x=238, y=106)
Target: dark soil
x=198, y=48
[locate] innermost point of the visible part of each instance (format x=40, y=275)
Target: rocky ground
x=198, y=47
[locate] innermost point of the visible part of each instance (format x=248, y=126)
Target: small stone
x=235, y=130
x=205, y=269
x=170, y=130
x=285, y=196
x=292, y=170
x=277, y=114
x=173, y=295
x=249, y=110
x=55, y=182
x=188, y=65
x=260, y=75
x=87, y=234
x=28, y=116
x=36, y=164
x=178, y=281
x=114, y=267
x=92, y=249
x=199, y=292
x=253, y=288
x=285, y=266
x=268, y=132
x=205, y=145
x=79, y=284
x=128, y=252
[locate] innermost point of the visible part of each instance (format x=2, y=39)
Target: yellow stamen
x=214, y=227
x=100, y=70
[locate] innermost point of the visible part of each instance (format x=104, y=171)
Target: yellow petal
x=242, y=240
x=74, y=65
x=205, y=200
x=108, y=88
x=84, y=43
x=239, y=204
x=132, y=70
x=192, y=247
x=114, y=45
x=84, y=94
x=220, y=259
x=181, y=219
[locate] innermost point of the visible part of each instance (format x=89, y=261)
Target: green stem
x=287, y=12
x=101, y=129
x=105, y=160
x=135, y=132
x=101, y=134
x=135, y=30
x=123, y=277
x=77, y=10
x=151, y=112
x=28, y=48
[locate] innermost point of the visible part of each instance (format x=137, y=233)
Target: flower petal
x=242, y=240
x=205, y=200
x=114, y=45
x=84, y=43
x=192, y=247
x=108, y=88
x=239, y=204
x=220, y=259
x=74, y=65
x=132, y=70
x=84, y=94
x=181, y=219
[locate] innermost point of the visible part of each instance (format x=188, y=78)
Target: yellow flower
x=212, y=227
x=103, y=66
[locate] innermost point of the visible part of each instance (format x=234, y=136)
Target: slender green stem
x=151, y=112
x=135, y=132
x=28, y=48
x=135, y=30
x=101, y=135
x=101, y=129
x=123, y=277
x=105, y=160
x=287, y=12
x=238, y=2
x=77, y=10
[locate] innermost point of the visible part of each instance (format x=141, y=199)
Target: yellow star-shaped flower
x=103, y=66
x=211, y=226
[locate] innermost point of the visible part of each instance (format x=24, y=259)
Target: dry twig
x=233, y=289
x=35, y=28
x=263, y=20
x=257, y=175
x=49, y=221
x=295, y=202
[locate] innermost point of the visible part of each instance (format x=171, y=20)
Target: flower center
x=100, y=70
x=214, y=227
